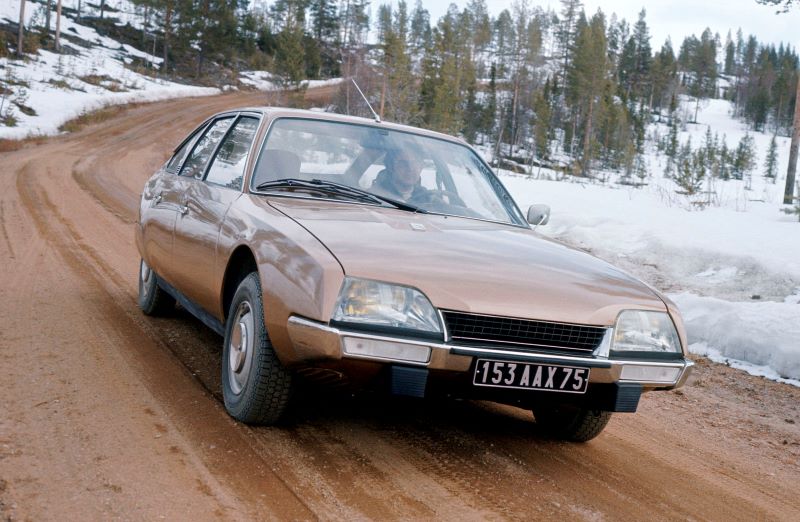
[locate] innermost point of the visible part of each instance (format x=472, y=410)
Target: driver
x=401, y=178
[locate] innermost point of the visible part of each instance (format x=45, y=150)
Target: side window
x=176, y=160
x=227, y=169
x=196, y=162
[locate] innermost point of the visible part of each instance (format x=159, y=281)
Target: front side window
x=195, y=164
x=227, y=169
x=422, y=172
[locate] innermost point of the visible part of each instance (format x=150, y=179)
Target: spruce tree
x=771, y=161
x=587, y=76
x=744, y=158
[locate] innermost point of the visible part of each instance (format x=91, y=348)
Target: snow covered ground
x=733, y=268
x=266, y=81
x=59, y=87
x=50, y=89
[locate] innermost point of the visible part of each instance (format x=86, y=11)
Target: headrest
x=276, y=164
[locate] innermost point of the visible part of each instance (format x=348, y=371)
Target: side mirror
x=539, y=214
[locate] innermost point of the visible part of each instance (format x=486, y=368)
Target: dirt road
x=107, y=414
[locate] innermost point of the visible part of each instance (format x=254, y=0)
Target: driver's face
x=405, y=172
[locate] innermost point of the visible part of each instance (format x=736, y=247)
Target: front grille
x=522, y=333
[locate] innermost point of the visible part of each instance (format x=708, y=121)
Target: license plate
x=526, y=376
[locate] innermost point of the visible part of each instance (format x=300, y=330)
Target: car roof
x=285, y=112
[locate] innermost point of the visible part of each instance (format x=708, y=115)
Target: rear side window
x=227, y=169
x=196, y=163
x=177, y=159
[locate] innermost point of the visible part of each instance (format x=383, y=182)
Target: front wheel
x=571, y=423
x=255, y=386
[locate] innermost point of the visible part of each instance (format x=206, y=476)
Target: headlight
x=640, y=331
x=372, y=303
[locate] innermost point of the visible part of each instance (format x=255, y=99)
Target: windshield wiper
x=341, y=189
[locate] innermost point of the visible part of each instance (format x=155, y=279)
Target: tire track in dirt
x=5, y=232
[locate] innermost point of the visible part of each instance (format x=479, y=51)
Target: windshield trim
x=517, y=218
x=386, y=207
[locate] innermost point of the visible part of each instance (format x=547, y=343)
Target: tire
x=255, y=386
x=571, y=423
x=153, y=300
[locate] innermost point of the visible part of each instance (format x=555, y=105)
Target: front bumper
x=313, y=341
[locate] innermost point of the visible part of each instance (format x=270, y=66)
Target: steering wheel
x=439, y=197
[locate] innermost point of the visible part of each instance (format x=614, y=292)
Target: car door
x=160, y=206
x=206, y=203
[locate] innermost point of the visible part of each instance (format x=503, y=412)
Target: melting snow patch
x=752, y=369
x=762, y=338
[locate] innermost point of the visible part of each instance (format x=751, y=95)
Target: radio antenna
x=377, y=118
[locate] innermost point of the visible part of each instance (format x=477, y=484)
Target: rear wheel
x=255, y=386
x=571, y=423
x=153, y=300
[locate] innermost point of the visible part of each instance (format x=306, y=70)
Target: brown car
x=390, y=256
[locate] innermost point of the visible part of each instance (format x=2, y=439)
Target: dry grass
x=94, y=117
x=10, y=145
x=61, y=84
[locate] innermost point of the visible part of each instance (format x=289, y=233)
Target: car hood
x=471, y=265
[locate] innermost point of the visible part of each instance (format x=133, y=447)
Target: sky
x=675, y=18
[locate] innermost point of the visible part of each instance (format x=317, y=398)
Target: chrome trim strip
x=611, y=365
x=445, y=331
x=587, y=351
x=604, y=348
x=598, y=326
x=529, y=356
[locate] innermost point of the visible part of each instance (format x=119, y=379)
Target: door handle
x=157, y=199
x=184, y=209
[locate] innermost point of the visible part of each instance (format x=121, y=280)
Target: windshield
x=427, y=174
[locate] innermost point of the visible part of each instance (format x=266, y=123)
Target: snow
x=762, y=334
x=266, y=81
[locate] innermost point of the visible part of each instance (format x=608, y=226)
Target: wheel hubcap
x=145, y=275
x=240, y=347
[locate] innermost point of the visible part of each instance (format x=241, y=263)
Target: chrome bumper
x=314, y=341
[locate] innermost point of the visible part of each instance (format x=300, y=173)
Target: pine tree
x=725, y=160
x=771, y=161
x=730, y=56
x=671, y=150
x=588, y=75
x=744, y=158
x=420, y=31
x=690, y=170
x=488, y=115
x=566, y=32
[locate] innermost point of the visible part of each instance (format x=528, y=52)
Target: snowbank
x=266, y=81
x=762, y=338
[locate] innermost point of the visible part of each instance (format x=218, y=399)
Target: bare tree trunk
x=58, y=26
x=47, y=17
x=696, y=108
x=788, y=192
x=587, y=139
x=21, y=31
x=167, y=30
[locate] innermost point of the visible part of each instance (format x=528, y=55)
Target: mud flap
x=407, y=381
